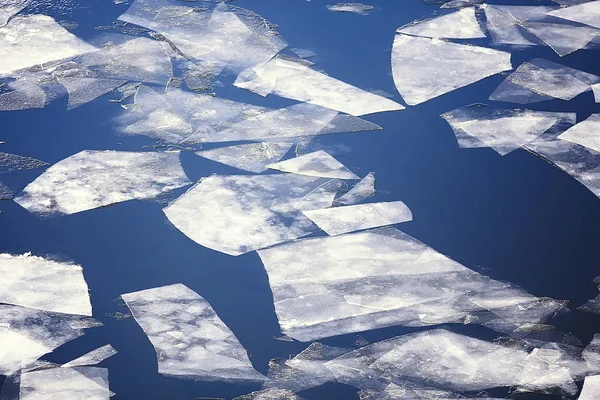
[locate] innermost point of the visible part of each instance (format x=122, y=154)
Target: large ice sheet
x=460, y=24
x=252, y=157
x=586, y=13
x=88, y=383
x=295, y=80
x=36, y=282
x=190, y=339
x=563, y=39
x=318, y=163
x=340, y=220
x=591, y=388
x=238, y=214
x=585, y=133
x=356, y=8
x=92, y=179
x=93, y=357
x=361, y=191
x=426, y=68
x=334, y=285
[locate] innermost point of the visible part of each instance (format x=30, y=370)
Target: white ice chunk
x=503, y=28
x=361, y=191
x=591, y=388
x=295, y=80
x=252, y=157
x=88, y=383
x=318, y=163
x=426, y=68
x=92, y=179
x=591, y=354
x=36, y=282
x=83, y=90
x=189, y=337
x=339, y=220
x=238, y=214
x=526, y=13
x=586, y=13
x=93, y=357
x=8, y=8
x=585, y=133
x=563, y=39
x=460, y=24
x=356, y=8
x=21, y=99
x=29, y=40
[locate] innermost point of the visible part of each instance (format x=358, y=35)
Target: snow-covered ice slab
x=503, y=130
x=30, y=40
x=460, y=24
x=93, y=357
x=320, y=287
x=88, y=383
x=586, y=13
x=253, y=157
x=356, y=8
x=585, y=133
x=426, y=68
x=92, y=179
x=295, y=80
x=364, y=189
x=340, y=220
x=563, y=39
x=36, y=282
x=190, y=339
x=318, y=163
x=238, y=214
x=591, y=388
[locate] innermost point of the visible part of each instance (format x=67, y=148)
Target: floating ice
x=426, y=68
x=461, y=3
x=591, y=354
x=503, y=130
x=526, y=13
x=252, y=157
x=503, y=28
x=585, y=133
x=303, y=53
x=83, y=90
x=361, y=191
x=591, y=388
x=92, y=179
x=596, y=89
x=21, y=99
x=88, y=383
x=586, y=13
x=339, y=220
x=8, y=8
x=460, y=24
x=93, y=357
x=563, y=39
x=319, y=164
x=334, y=285
x=189, y=338
x=356, y=8
x=238, y=214
x=36, y=282
x=13, y=163
x=269, y=394
x=295, y=80
x=5, y=192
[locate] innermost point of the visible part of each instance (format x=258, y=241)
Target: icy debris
x=13, y=163
x=591, y=388
x=270, y=394
x=364, y=189
x=36, y=282
x=190, y=339
x=92, y=179
x=30, y=40
x=356, y=8
x=504, y=29
x=8, y=8
x=65, y=383
x=303, y=53
x=319, y=164
x=563, y=39
x=586, y=13
x=460, y=24
x=591, y=354
x=252, y=157
x=585, y=133
x=22, y=99
x=426, y=68
x=93, y=357
x=340, y=220
x=335, y=285
x=293, y=79
x=238, y=214
x=503, y=130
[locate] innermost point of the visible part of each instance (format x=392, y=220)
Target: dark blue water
x=514, y=218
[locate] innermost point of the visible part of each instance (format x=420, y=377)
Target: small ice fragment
x=203, y=348
x=88, y=383
x=92, y=179
x=294, y=80
x=591, y=354
x=585, y=133
x=269, y=394
x=252, y=157
x=591, y=388
x=586, y=13
x=503, y=28
x=319, y=164
x=460, y=24
x=303, y=53
x=364, y=189
x=12, y=163
x=563, y=39
x=340, y=220
x=93, y=357
x=356, y=8
x=8, y=8
x=426, y=68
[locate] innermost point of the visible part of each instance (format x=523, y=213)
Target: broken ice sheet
x=189, y=338
x=238, y=214
x=364, y=189
x=426, y=68
x=83, y=90
x=503, y=130
x=461, y=3
x=585, y=133
x=93, y=357
x=293, y=79
x=89, y=383
x=13, y=163
x=356, y=8
x=591, y=354
x=318, y=163
x=460, y=24
x=586, y=13
x=92, y=179
x=253, y=157
x=340, y=220
x=503, y=28
x=334, y=285
x=563, y=39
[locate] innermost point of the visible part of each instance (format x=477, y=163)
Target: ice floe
x=318, y=163
x=504, y=29
x=252, y=157
x=426, y=68
x=364, y=189
x=270, y=394
x=13, y=163
x=591, y=354
x=8, y=8
x=596, y=89
x=23, y=98
x=93, y=357
x=585, y=133
x=92, y=179
x=586, y=13
x=65, y=383
x=356, y=8
x=563, y=39
x=189, y=338
x=591, y=388
x=460, y=3
x=460, y=24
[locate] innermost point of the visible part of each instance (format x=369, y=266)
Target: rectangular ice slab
x=36, y=282
x=252, y=157
x=190, y=339
x=339, y=220
x=93, y=357
x=318, y=163
x=460, y=24
x=92, y=179
x=87, y=383
x=426, y=68
x=295, y=80
x=335, y=285
x=585, y=133
x=586, y=13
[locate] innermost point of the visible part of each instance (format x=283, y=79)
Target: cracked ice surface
x=318, y=163
x=426, y=68
x=92, y=179
x=340, y=220
x=252, y=157
x=295, y=80
x=238, y=214
x=35, y=282
x=460, y=24
x=88, y=383
x=587, y=13
x=591, y=388
x=334, y=285
x=364, y=189
x=189, y=338
x=585, y=133
x=93, y=357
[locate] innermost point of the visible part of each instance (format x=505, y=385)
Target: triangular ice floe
x=93, y=357
x=585, y=133
x=586, y=13
x=318, y=163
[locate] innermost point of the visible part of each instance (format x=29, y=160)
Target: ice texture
x=189, y=338
x=318, y=163
x=585, y=133
x=591, y=388
x=24, y=98
x=253, y=157
x=13, y=163
x=93, y=357
x=92, y=179
x=356, y=8
x=88, y=383
x=460, y=24
x=586, y=13
x=364, y=189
